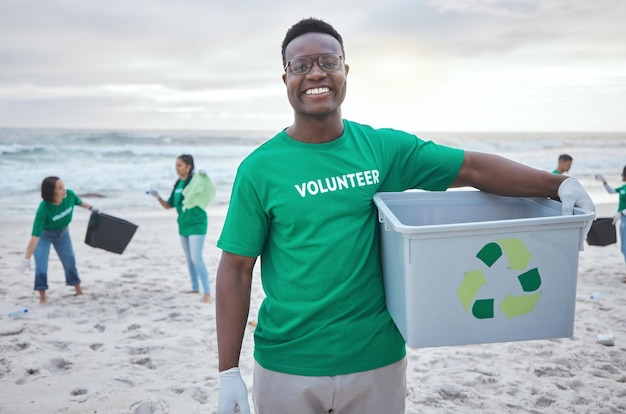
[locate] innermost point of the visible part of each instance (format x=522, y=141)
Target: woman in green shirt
x=621, y=208
x=51, y=228
x=192, y=225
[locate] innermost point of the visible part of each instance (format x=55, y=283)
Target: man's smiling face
x=317, y=93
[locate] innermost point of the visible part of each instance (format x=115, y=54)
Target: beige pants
x=381, y=390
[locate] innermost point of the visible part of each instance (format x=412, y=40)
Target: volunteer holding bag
x=51, y=228
x=190, y=196
x=621, y=208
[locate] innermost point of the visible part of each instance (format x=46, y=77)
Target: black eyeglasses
x=328, y=62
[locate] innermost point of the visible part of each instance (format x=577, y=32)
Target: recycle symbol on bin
x=529, y=280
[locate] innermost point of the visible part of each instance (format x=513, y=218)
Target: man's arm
x=498, y=175
x=232, y=303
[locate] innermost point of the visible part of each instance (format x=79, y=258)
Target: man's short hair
x=310, y=25
x=565, y=157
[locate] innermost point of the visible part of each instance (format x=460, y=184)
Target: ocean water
x=121, y=166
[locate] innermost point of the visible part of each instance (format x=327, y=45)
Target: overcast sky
x=418, y=65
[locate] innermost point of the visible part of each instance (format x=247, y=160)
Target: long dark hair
x=187, y=159
x=47, y=188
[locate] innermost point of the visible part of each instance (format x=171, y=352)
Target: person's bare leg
x=79, y=291
x=42, y=297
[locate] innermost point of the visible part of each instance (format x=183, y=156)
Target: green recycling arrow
x=516, y=252
x=469, y=287
x=530, y=281
x=489, y=253
x=519, y=305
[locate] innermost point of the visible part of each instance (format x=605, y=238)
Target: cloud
x=203, y=63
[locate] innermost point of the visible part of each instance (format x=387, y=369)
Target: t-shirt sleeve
x=246, y=225
x=76, y=200
x=418, y=164
x=40, y=218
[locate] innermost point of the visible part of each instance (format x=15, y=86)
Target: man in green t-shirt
x=302, y=201
x=564, y=164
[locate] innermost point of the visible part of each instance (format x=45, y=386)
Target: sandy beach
x=134, y=343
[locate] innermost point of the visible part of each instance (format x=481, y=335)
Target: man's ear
x=285, y=78
x=347, y=67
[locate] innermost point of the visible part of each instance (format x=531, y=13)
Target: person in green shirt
x=51, y=228
x=302, y=201
x=192, y=222
x=621, y=208
x=564, y=164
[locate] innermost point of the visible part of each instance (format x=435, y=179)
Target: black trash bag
x=602, y=232
x=109, y=233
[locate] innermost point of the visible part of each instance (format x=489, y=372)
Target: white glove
x=154, y=193
x=617, y=217
x=94, y=210
x=233, y=393
x=24, y=264
x=600, y=177
x=572, y=194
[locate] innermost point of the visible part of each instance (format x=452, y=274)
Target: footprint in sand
x=60, y=345
x=78, y=391
x=141, y=350
x=144, y=362
x=177, y=390
x=132, y=327
x=150, y=407
x=80, y=395
x=58, y=364
x=544, y=402
x=122, y=383
x=5, y=367
x=450, y=393
x=199, y=395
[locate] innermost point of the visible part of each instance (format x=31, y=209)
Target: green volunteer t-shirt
x=51, y=217
x=191, y=221
x=622, y=197
x=307, y=210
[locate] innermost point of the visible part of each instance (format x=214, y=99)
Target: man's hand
x=24, y=264
x=600, y=177
x=572, y=194
x=618, y=216
x=233, y=393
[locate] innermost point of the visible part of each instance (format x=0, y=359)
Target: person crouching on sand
x=51, y=228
